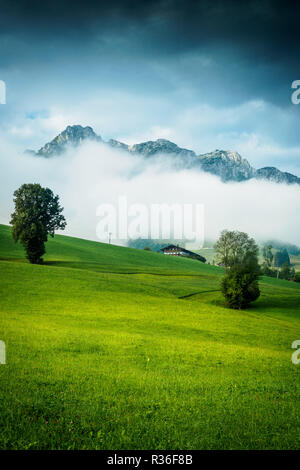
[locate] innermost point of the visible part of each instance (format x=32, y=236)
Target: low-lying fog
x=95, y=174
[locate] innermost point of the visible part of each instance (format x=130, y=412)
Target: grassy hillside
x=115, y=348
x=73, y=252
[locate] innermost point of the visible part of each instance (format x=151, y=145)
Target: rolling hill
x=116, y=348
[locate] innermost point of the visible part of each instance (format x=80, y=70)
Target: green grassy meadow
x=117, y=348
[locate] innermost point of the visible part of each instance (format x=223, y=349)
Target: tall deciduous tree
x=235, y=247
x=37, y=214
x=268, y=255
x=266, y=267
x=286, y=271
x=281, y=257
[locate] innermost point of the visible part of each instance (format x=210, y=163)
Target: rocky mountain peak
x=228, y=165
x=117, y=144
x=271, y=173
x=78, y=132
x=159, y=146
x=72, y=135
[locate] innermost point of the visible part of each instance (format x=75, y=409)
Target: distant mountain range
x=227, y=165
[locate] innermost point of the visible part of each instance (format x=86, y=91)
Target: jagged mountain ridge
x=72, y=135
x=227, y=165
x=273, y=174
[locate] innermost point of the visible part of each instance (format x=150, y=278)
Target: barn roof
x=171, y=246
x=201, y=258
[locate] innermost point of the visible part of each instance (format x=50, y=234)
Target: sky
x=202, y=74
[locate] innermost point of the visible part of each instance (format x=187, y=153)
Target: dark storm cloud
x=163, y=61
x=269, y=28
x=252, y=45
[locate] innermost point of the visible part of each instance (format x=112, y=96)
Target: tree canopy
x=281, y=257
x=37, y=214
x=235, y=247
x=239, y=254
x=268, y=255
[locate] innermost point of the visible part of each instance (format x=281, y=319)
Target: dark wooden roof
x=188, y=252
x=169, y=247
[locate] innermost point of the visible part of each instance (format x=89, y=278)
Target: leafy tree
x=266, y=271
x=223, y=247
x=291, y=249
x=286, y=271
x=240, y=286
x=239, y=254
x=266, y=267
x=293, y=272
x=268, y=255
x=281, y=257
x=235, y=247
x=37, y=214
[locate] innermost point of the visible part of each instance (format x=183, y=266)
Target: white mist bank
x=94, y=174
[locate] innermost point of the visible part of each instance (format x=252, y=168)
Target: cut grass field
x=117, y=348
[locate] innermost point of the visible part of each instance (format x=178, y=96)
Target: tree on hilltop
x=37, y=214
